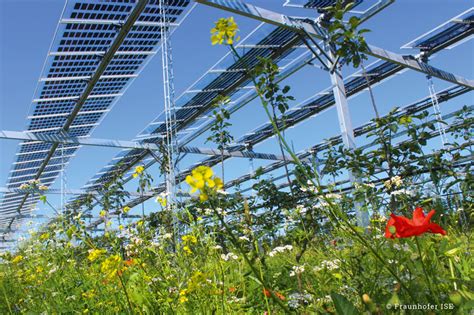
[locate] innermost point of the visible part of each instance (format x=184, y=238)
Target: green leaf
x=43, y=198
x=343, y=306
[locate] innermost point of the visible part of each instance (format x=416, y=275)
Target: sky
x=27, y=28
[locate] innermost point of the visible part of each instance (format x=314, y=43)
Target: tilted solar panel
x=379, y=72
x=197, y=101
x=86, y=30
x=453, y=31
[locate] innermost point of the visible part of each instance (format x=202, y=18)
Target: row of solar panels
x=86, y=30
x=379, y=72
x=226, y=82
x=425, y=103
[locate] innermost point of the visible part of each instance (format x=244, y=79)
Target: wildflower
x=167, y=236
x=280, y=249
x=17, y=259
x=94, y=254
x=162, y=201
x=102, y=213
x=138, y=170
x=224, y=31
x=189, y=239
x=268, y=294
x=403, y=192
x=182, y=296
x=202, y=178
x=88, y=294
x=126, y=209
x=44, y=237
x=296, y=270
x=187, y=250
x=129, y=262
x=110, y=266
x=394, y=181
x=328, y=265
x=333, y=196
x=228, y=256
x=401, y=227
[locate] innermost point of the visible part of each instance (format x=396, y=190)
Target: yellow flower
x=187, y=250
x=225, y=30
x=102, y=213
x=111, y=265
x=202, y=178
x=139, y=169
x=88, y=294
x=162, y=201
x=120, y=227
x=126, y=209
x=189, y=239
x=182, y=296
x=44, y=236
x=17, y=259
x=94, y=254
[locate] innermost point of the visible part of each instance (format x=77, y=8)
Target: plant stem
x=428, y=280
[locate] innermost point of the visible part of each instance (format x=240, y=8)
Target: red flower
x=268, y=294
x=401, y=227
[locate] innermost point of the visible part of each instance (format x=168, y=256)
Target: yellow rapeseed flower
x=189, y=239
x=94, y=254
x=111, y=266
x=162, y=201
x=138, y=171
x=102, y=213
x=17, y=259
x=224, y=32
x=126, y=209
x=202, y=178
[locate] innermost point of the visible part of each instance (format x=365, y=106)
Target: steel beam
x=114, y=22
x=65, y=139
x=88, y=77
x=98, y=53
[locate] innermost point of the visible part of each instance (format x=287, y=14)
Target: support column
x=345, y=125
x=169, y=105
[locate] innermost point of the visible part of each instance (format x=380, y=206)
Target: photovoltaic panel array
x=377, y=72
x=231, y=79
x=453, y=31
x=315, y=4
x=86, y=30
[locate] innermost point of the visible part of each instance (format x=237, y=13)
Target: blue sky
x=27, y=28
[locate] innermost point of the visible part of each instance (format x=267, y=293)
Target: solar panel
x=315, y=4
x=197, y=100
x=453, y=31
x=380, y=71
x=86, y=30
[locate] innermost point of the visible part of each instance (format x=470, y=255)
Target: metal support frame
x=169, y=105
x=123, y=144
x=304, y=27
x=345, y=125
